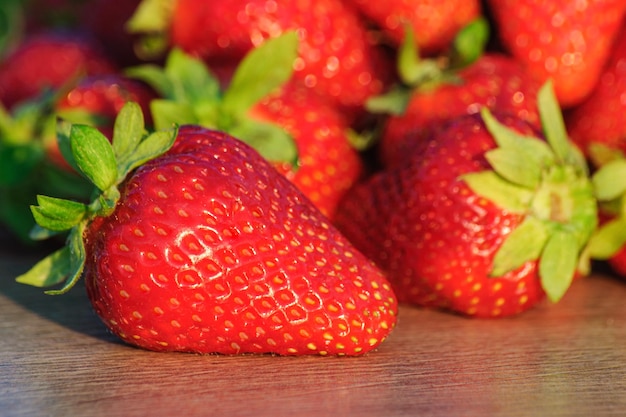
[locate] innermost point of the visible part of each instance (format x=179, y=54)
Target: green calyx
x=609, y=183
x=418, y=74
x=190, y=94
x=106, y=165
x=547, y=182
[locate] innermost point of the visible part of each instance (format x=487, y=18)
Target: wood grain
x=567, y=359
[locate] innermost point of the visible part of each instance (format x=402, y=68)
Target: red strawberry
x=283, y=123
x=493, y=80
x=48, y=61
x=207, y=249
x=451, y=232
x=599, y=120
x=567, y=41
x=336, y=56
x=101, y=97
x=434, y=22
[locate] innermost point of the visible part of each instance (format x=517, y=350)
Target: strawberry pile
x=283, y=177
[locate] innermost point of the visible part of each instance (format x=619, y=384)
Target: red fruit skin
x=209, y=250
x=337, y=58
x=49, y=60
x=600, y=118
x=105, y=95
x=328, y=165
x=101, y=96
x=434, y=22
x=567, y=41
x=494, y=81
x=434, y=237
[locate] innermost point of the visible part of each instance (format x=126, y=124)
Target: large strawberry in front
x=206, y=248
x=484, y=219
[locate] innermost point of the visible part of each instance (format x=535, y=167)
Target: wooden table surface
x=568, y=359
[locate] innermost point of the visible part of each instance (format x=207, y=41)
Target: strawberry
x=599, y=119
x=493, y=80
x=336, y=57
x=564, y=40
x=484, y=220
x=434, y=90
x=205, y=248
x=46, y=61
x=101, y=97
x=297, y=130
x=434, y=22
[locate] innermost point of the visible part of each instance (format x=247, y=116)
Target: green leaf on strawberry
x=417, y=73
x=106, y=165
x=192, y=95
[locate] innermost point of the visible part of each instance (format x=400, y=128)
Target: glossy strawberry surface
x=49, y=60
x=210, y=250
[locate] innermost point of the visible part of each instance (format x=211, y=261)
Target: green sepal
x=263, y=70
x=469, y=43
x=58, y=214
x=128, y=130
x=513, y=167
x=94, y=156
x=525, y=243
x=394, y=102
x=78, y=255
x=414, y=71
x=166, y=113
x=609, y=182
x=608, y=239
x=271, y=141
x=153, y=145
x=521, y=152
x=50, y=271
x=554, y=129
x=557, y=265
x=192, y=95
x=493, y=187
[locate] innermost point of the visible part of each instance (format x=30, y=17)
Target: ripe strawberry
x=434, y=90
x=599, y=120
x=434, y=22
x=46, y=61
x=297, y=130
x=493, y=80
x=207, y=249
x=336, y=56
x=452, y=233
x=101, y=97
x=567, y=41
